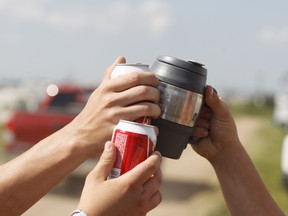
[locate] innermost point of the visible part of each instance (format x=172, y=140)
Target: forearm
x=242, y=187
x=27, y=178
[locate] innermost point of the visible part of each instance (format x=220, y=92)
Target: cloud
x=159, y=14
x=2, y=4
x=40, y=11
x=151, y=16
x=29, y=9
x=274, y=35
x=67, y=19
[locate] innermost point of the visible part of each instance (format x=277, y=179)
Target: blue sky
x=243, y=44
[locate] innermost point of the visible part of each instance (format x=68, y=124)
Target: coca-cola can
x=124, y=68
x=134, y=143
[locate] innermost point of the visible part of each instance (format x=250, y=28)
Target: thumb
x=214, y=102
x=106, y=162
x=120, y=59
x=143, y=171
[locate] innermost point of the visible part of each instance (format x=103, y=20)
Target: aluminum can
x=134, y=143
x=122, y=69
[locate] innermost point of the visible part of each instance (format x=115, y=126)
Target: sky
x=243, y=44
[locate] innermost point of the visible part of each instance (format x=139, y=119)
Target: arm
x=134, y=193
x=242, y=187
x=24, y=180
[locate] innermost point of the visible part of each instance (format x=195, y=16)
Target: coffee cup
x=182, y=85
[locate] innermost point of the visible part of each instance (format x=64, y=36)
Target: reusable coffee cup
x=181, y=85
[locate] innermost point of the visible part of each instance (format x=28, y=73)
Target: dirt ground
x=189, y=185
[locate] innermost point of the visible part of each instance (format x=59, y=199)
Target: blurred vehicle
x=280, y=112
x=59, y=106
x=284, y=162
x=15, y=98
x=280, y=118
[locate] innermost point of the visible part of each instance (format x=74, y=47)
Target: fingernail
x=210, y=92
x=107, y=146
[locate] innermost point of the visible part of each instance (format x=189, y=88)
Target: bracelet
x=78, y=212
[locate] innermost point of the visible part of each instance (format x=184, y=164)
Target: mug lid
x=190, y=75
x=189, y=65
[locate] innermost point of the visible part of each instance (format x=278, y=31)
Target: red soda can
x=122, y=69
x=134, y=143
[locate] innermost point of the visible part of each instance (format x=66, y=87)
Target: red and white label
x=132, y=149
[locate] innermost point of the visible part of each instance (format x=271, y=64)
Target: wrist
x=68, y=141
x=84, y=142
x=227, y=155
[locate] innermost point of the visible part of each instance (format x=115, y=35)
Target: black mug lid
x=189, y=65
x=189, y=75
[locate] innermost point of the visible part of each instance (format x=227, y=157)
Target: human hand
x=215, y=127
x=235, y=171
x=134, y=193
x=126, y=97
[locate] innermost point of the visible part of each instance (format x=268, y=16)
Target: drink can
x=124, y=68
x=134, y=143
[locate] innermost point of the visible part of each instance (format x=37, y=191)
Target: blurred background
x=54, y=53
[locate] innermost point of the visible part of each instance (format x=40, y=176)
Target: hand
x=134, y=193
x=215, y=127
x=237, y=175
x=126, y=97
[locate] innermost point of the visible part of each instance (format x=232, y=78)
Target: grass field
x=265, y=150
x=268, y=143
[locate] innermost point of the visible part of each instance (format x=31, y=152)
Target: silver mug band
x=179, y=105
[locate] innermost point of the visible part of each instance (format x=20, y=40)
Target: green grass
x=250, y=110
x=267, y=161
x=265, y=150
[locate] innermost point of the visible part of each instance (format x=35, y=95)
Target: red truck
x=59, y=107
